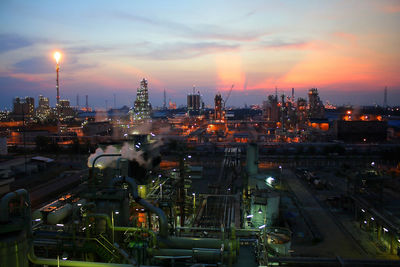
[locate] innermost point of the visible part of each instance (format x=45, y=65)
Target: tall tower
x=87, y=103
x=57, y=57
x=142, y=107
x=316, y=108
x=218, y=112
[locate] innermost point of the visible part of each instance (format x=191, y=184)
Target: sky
x=349, y=50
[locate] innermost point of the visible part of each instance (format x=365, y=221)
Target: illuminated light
x=38, y=220
x=372, y=218
x=64, y=256
x=348, y=112
x=398, y=240
x=189, y=156
x=57, y=56
x=152, y=134
x=362, y=210
x=60, y=224
x=250, y=216
x=117, y=212
x=137, y=146
x=365, y=222
x=193, y=194
x=152, y=181
x=386, y=230
x=260, y=210
x=270, y=180
x=79, y=204
x=262, y=226
x=373, y=163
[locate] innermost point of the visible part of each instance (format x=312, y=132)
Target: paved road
x=335, y=241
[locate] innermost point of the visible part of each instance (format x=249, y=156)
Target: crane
x=229, y=94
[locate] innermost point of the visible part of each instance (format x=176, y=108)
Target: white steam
x=127, y=151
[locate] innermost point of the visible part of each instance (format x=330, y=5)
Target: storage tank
x=252, y=159
x=13, y=249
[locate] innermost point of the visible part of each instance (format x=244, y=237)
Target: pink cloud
x=394, y=8
x=352, y=38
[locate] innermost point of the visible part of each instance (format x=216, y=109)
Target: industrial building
x=142, y=107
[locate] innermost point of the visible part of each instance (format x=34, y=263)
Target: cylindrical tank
x=60, y=214
x=36, y=215
x=252, y=159
x=13, y=250
x=272, y=209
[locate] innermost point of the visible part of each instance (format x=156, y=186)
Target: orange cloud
x=30, y=77
x=230, y=71
x=395, y=8
x=323, y=69
x=352, y=38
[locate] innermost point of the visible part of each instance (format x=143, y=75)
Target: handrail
x=105, y=247
x=56, y=262
x=122, y=228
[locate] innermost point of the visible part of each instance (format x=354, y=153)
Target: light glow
x=270, y=180
x=57, y=56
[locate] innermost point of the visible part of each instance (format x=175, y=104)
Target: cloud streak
x=284, y=44
x=40, y=65
x=199, y=31
x=182, y=50
x=10, y=41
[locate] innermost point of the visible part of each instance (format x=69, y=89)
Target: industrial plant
x=202, y=188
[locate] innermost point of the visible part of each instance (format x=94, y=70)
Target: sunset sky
x=349, y=50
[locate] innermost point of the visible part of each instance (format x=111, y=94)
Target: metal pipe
x=125, y=254
x=199, y=254
x=56, y=262
x=161, y=215
x=5, y=201
x=120, y=228
x=165, y=240
x=193, y=242
x=91, y=171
